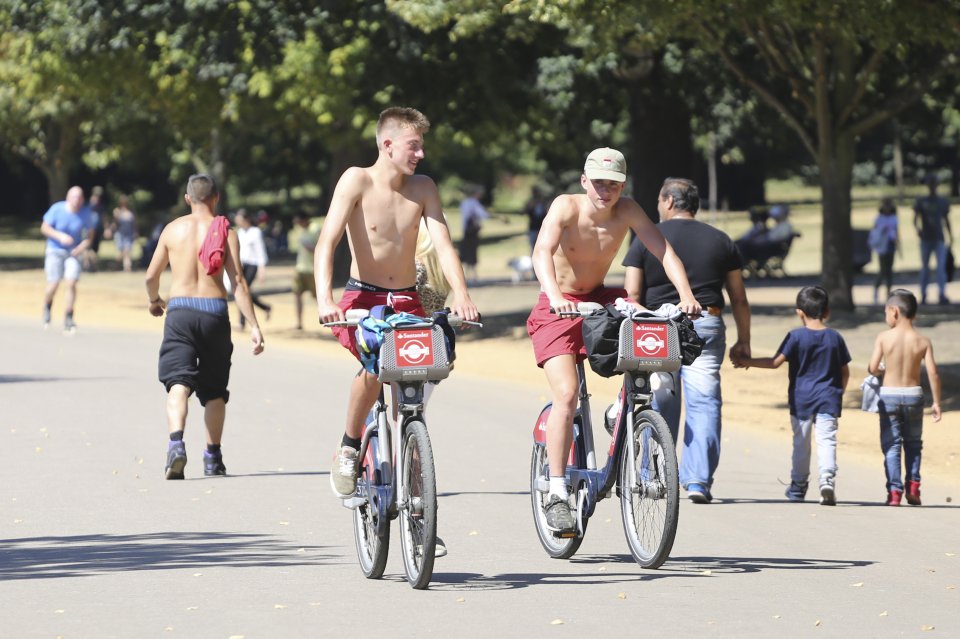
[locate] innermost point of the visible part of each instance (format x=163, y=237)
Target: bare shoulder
x=629, y=209
x=355, y=179
x=421, y=186
x=565, y=207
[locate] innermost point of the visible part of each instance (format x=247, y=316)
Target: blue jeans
x=825, y=426
x=701, y=384
x=938, y=248
x=901, y=427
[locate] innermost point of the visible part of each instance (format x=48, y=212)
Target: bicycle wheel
x=556, y=547
x=372, y=548
x=649, y=491
x=418, y=506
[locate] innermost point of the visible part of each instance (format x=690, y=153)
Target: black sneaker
x=176, y=460
x=558, y=515
x=213, y=464
x=797, y=491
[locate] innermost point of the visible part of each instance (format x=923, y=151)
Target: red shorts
x=401, y=301
x=552, y=335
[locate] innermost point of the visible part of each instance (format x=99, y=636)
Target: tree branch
x=765, y=93
x=868, y=70
x=913, y=92
x=770, y=51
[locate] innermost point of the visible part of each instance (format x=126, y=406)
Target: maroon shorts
x=401, y=301
x=552, y=335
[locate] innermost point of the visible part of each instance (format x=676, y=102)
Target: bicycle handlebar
x=354, y=315
x=586, y=308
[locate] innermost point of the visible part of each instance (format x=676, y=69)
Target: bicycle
x=400, y=481
x=642, y=459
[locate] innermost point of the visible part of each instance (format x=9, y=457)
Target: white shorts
x=60, y=265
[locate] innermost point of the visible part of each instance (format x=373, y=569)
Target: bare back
x=903, y=350
x=383, y=225
x=588, y=241
x=181, y=241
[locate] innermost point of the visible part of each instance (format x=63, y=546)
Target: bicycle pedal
x=566, y=534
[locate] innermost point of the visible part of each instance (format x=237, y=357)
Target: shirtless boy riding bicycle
x=580, y=236
x=380, y=208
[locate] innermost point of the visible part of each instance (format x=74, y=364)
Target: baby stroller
x=763, y=256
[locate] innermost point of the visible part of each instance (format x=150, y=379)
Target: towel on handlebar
x=666, y=311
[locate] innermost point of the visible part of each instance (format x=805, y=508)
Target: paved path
x=94, y=543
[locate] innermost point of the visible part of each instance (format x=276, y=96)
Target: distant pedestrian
x=68, y=226
x=818, y=363
x=898, y=354
x=931, y=216
x=885, y=242
x=124, y=231
x=92, y=255
x=304, y=237
x=535, y=209
x=253, y=258
x=196, y=349
x=472, y=216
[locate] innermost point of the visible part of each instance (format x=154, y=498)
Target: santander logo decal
x=650, y=340
x=413, y=348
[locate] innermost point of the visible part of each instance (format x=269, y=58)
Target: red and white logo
x=413, y=348
x=650, y=340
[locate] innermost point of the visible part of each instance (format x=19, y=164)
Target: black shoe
x=176, y=460
x=558, y=515
x=213, y=464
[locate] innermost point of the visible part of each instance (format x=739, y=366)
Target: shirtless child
x=902, y=350
x=380, y=208
x=580, y=236
x=196, y=349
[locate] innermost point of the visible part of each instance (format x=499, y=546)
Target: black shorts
x=196, y=352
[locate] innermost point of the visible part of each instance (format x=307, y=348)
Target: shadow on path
x=90, y=555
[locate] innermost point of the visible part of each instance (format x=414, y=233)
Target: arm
x=873, y=368
x=47, y=230
x=633, y=283
x=946, y=223
x=933, y=376
x=345, y=197
x=741, y=313
x=548, y=241
x=241, y=291
x=461, y=304
x=158, y=264
x=763, y=362
x=844, y=377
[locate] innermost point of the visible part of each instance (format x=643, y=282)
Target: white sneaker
x=343, y=475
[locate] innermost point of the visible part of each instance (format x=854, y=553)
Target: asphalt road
x=95, y=543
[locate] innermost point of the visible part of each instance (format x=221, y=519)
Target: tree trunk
x=836, y=177
x=898, y=160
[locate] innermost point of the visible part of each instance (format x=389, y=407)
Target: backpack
x=370, y=337
x=601, y=338
x=879, y=240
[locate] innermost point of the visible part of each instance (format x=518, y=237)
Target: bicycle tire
x=650, y=507
x=418, y=512
x=556, y=547
x=372, y=548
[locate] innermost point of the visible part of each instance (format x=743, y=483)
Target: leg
x=298, y=306
x=800, y=461
x=71, y=296
x=562, y=376
x=214, y=415
x=926, y=248
x=941, y=250
x=890, y=442
x=826, y=433
x=50, y=291
x=913, y=446
x=177, y=407
x=702, y=403
x=363, y=393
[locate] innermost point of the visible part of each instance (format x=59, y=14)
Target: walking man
x=713, y=264
x=68, y=226
x=931, y=215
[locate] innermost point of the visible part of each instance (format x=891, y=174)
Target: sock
x=213, y=449
x=352, y=442
x=176, y=436
x=558, y=487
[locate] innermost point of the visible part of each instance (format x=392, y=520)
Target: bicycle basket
x=649, y=344
x=412, y=354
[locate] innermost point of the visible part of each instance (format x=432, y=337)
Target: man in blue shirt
x=68, y=226
x=930, y=217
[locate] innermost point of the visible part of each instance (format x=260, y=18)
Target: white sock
x=558, y=487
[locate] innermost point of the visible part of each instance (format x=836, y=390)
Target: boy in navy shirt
x=818, y=359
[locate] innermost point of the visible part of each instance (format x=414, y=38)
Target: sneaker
x=69, y=325
x=797, y=491
x=828, y=496
x=46, y=317
x=913, y=493
x=343, y=475
x=176, y=460
x=893, y=497
x=558, y=514
x=441, y=548
x=697, y=494
x=944, y=300
x=213, y=464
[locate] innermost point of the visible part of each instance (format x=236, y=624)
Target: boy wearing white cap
x=580, y=236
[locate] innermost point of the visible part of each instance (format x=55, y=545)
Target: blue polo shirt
x=816, y=360
x=76, y=225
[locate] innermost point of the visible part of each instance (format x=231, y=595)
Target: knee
x=565, y=399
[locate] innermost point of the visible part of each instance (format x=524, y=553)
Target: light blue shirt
x=76, y=225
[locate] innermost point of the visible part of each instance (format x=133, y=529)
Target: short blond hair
x=403, y=117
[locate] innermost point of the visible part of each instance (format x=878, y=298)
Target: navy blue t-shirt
x=816, y=361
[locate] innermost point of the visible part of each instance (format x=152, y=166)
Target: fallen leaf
x=38, y=449
x=707, y=572
x=284, y=523
x=279, y=606
x=237, y=637
x=776, y=616
x=460, y=599
x=59, y=612
x=622, y=595
x=140, y=461
x=198, y=574
x=884, y=613
x=195, y=499
x=316, y=603
x=817, y=622
x=608, y=520
x=951, y=554
x=169, y=629
x=951, y=587
x=18, y=521
x=602, y=569
x=301, y=550
x=193, y=607
x=927, y=627
x=556, y=622
x=859, y=584
x=474, y=533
